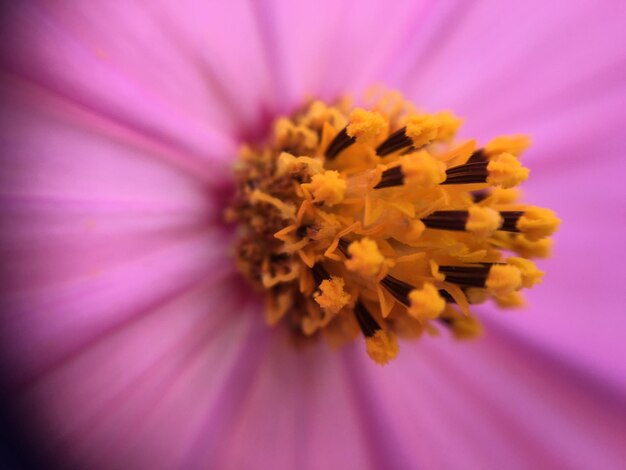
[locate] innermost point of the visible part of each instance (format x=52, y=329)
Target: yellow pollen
x=447, y=125
x=422, y=130
x=537, y=223
x=328, y=187
x=503, y=279
x=379, y=221
x=365, y=125
x=463, y=327
x=382, y=347
x=483, y=221
x=505, y=170
x=530, y=274
x=331, y=297
x=509, y=144
x=422, y=171
x=426, y=303
x=290, y=164
x=365, y=258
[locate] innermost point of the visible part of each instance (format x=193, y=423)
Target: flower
x=128, y=339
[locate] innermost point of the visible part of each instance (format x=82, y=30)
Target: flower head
x=326, y=204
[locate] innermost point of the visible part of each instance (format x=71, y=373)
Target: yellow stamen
x=365, y=125
x=422, y=171
x=328, y=187
x=426, y=303
x=503, y=279
x=530, y=274
x=365, y=258
x=483, y=221
x=538, y=223
x=505, y=170
x=382, y=347
x=331, y=296
x=422, y=130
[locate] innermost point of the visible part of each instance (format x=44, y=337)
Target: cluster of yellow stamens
x=378, y=222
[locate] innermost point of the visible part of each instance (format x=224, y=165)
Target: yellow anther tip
x=448, y=125
x=531, y=275
x=331, y=296
x=422, y=171
x=426, y=303
x=503, y=279
x=466, y=327
x=382, y=347
x=365, y=257
x=537, y=223
x=421, y=129
x=541, y=248
x=328, y=187
x=483, y=221
x=505, y=170
x=515, y=144
x=365, y=125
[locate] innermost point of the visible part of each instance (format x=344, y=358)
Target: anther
x=446, y=220
x=478, y=156
x=343, y=247
x=341, y=142
x=503, y=280
x=319, y=274
x=426, y=303
x=467, y=276
x=474, y=172
x=391, y=177
x=535, y=222
x=461, y=326
x=365, y=257
x=381, y=346
x=396, y=141
x=368, y=325
x=328, y=187
x=481, y=221
x=331, y=296
x=400, y=290
x=502, y=170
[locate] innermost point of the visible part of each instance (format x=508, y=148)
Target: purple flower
x=128, y=338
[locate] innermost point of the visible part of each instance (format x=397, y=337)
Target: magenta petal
x=120, y=62
x=299, y=412
x=153, y=382
x=492, y=401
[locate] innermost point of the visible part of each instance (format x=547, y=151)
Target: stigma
x=377, y=222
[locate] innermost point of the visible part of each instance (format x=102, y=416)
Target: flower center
x=380, y=223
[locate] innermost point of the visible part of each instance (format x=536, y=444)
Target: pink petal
x=487, y=402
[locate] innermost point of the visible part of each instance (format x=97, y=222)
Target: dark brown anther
x=343, y=247
x=510, y=220
x=369, y=326
x=475, y=172
x=396, y=141
x=446, y=220
x=477, y=156
x=341, y=142
x=391, y=177
x=467, y=276
x=319, y=274
x=398, y=289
